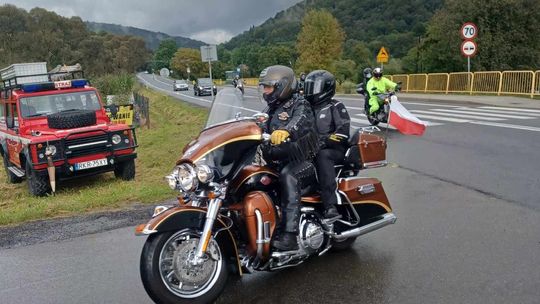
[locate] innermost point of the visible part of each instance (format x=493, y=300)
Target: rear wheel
x=38, y=185
x=11, y=177
x=125, y=170
x=169, y=276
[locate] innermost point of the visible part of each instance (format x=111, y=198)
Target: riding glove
x=279, y=136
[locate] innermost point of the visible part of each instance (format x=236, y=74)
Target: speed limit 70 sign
x=469, y=31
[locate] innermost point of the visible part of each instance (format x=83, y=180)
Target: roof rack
x=13, y=79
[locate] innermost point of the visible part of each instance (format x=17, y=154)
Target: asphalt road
x=468, y=230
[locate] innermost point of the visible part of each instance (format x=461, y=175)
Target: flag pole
x=388, y=120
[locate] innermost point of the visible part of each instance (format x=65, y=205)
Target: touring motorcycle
x=384, y=100
x=228, y=208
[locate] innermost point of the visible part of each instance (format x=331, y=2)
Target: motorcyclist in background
x=368, y=74
x=293, y=145
x=378, y=85
x=333, y=126
x=235, y=80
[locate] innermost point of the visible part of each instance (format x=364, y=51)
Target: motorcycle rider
x=333, y=125
x=378, y=85
x=368, y=74
x=293, y=144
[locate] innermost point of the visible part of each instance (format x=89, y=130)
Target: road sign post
x=383, y=56
x=468, y=49
x=469, y=31
x=209, y=54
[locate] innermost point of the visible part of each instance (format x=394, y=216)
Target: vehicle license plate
x=91, y=164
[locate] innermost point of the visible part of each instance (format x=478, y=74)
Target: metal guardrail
x=486, y=82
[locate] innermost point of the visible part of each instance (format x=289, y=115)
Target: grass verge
x=173, y=124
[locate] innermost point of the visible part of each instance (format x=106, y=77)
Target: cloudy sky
x=211, y=21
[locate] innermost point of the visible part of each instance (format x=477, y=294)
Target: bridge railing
x=486, y=82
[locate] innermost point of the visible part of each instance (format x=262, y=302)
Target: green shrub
x=119, y=85
x=347, y=87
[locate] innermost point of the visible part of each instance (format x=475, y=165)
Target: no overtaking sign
x=468, y=48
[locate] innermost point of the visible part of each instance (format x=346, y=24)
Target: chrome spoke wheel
x=180, y=274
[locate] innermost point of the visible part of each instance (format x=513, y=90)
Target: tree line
x=40, y=35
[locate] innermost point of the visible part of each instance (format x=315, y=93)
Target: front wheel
x=125, y=170
x=38, y=184
x=169, y=276
x=372, y=120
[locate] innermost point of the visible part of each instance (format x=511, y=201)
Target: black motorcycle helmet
x=377, y=73
x=320, y=86
x=368, y=73
x=282, y=79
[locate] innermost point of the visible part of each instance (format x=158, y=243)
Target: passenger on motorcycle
x=378, y=85
x=293, y=145
x=333, y=125
x=368, y=74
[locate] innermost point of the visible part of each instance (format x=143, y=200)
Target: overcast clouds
x=212, y=21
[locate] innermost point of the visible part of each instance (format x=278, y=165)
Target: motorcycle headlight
x=187, y=178
x=204, y=173
x=116, y=139
x=50, y=150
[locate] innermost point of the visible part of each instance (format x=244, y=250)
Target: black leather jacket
x=331, y=117
x=296, y=117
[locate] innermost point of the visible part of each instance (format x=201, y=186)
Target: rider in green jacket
x=381, y=85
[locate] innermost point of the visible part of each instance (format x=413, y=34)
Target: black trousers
x=295, y=178
x=325, y=161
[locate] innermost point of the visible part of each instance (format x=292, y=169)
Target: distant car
x=203, y=86
x=180, y=85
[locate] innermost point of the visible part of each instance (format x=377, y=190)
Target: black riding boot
x=287, y=239
x=291, y=178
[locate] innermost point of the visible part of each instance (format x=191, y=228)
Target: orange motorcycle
x=228, y=208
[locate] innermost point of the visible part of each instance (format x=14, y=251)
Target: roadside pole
x=209, y=54
x=382, y=57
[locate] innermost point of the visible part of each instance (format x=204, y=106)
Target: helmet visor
x=313, y=86
x=265, y=92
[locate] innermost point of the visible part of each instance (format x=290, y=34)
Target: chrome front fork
x=211, y=215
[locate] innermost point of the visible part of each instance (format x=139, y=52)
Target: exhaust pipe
x=387, y=219
x=263, y=233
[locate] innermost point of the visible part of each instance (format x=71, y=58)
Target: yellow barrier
x=517, y=82
x=437, y=83
x=486, y=82
x=404, y=81
x=251, y=81
x=492, y=82
x=536, y=87
x=459, y=82
x=417, y=83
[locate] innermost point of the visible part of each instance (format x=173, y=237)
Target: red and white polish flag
x=403, y=120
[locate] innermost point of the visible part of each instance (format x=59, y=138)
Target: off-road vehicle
x=52, y=129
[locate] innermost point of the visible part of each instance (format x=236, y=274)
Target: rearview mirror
x=260, y=118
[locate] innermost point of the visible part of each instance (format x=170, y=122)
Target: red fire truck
x=56, y=130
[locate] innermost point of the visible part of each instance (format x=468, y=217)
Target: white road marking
x=484, y=114
x=509, y=126
x=361, y=98
x=457, y=115
x=499, y=111
x=429, y=123
x=513, y=109
x=441, y=118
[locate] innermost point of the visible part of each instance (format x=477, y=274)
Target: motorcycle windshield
x=229, y=105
